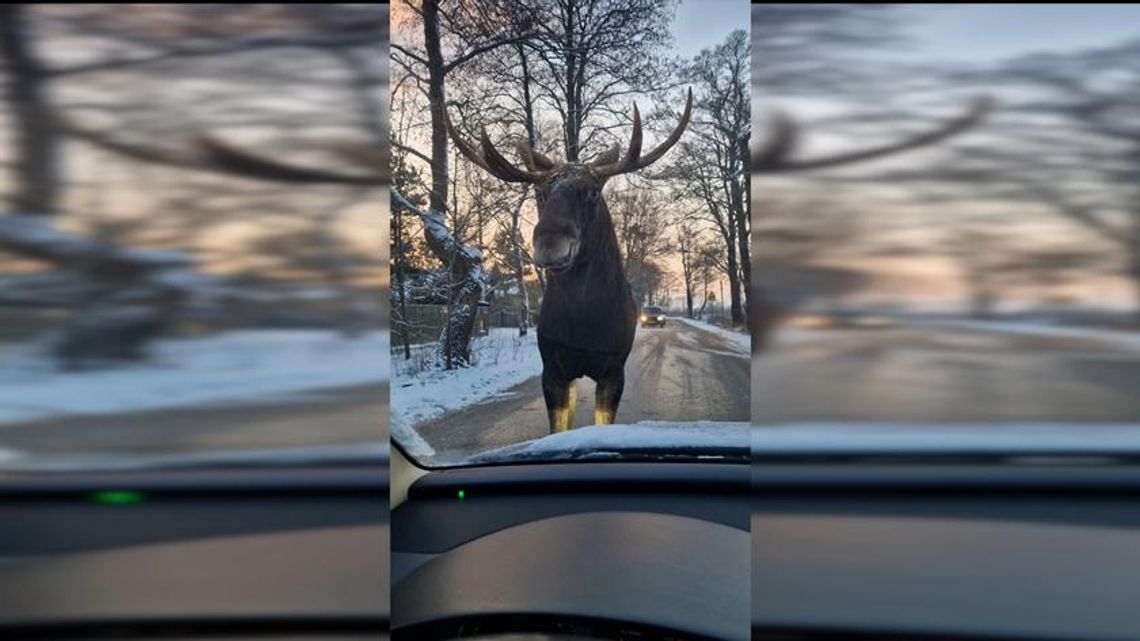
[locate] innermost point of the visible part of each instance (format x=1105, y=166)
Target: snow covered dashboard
x=653, y=549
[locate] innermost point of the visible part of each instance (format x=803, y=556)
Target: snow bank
x=892, y=438
x=502, y=359
x=698, y=439
x=739, y=340
x=232, y=367
x=1118, y=338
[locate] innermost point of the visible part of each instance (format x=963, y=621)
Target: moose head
x=568, y=193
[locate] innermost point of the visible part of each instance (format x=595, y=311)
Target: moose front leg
x=607, y=396
x=561, y=398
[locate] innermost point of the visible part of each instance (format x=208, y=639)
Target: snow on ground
x=877, y=438
x=502, y=359
x=1118, y=338
x=249, y=366
x=740, y=340
x=696, y=439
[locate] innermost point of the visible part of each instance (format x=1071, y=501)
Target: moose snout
x=555, y=242
x=554, y=253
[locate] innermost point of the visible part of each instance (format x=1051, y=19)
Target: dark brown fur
x=588, y=317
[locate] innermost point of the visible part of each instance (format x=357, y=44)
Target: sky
x=701, y=24
x=981, y=32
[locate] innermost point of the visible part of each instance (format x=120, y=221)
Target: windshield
x=191, y=251
x=569, y=239
x=947, y=254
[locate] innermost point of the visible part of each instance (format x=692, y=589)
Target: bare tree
x=593, y=55
x=715, y=163
x=686, y=245
x=1074, y=147
x=641, y=227
x=134, y=295
x=430, y=68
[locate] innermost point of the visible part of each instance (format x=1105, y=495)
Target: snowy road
x=949, y=374
x=676, y=373
x=343, y=416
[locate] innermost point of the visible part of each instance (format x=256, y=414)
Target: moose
x=588, y=317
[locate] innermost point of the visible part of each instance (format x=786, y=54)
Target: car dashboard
x=948, y=552
x=590, y=550
x=195, y=554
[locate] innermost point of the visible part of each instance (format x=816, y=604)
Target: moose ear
x=607, y=157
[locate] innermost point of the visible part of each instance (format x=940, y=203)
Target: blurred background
x=192, y=244
x=946, y=204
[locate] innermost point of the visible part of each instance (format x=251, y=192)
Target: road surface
x=930, y=374
x=674, y=373
x=354, y=415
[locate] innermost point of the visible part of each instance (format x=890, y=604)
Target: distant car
x=654, y=316
x=840, y=321
x=812, y=321
x=872, y=322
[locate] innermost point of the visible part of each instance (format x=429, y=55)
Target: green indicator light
x=462, y=494
x=117, y=497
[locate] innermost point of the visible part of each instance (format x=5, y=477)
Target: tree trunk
x=736, y=309
x=36, y=179
x=740, y=209
x=762, y=316
x=573, y=91
x=398, y=269
x=465, y=265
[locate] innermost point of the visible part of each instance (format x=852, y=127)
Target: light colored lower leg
x=562, y=418
x=603, y=416
x=572, y=403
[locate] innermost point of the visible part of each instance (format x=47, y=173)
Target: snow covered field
x=502, y=359
x=239, y=367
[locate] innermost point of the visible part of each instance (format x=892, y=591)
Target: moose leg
x=561, y=396
x=607, y=396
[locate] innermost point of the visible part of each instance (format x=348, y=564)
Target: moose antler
x=633, y=160
x=490, y=159
x=207, y=153
x=539, y=166
x=773, y=155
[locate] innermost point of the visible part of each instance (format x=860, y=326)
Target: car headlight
x=644, y=317
x=661, y=318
